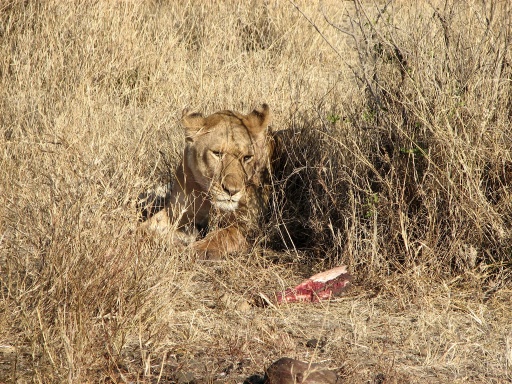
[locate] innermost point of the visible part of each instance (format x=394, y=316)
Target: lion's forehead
x=231, y=138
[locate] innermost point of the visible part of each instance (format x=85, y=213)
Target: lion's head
x=225, y=152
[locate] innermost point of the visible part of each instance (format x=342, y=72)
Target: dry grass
x=398, y=164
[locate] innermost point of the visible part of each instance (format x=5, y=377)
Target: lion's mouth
x=228, y=205
x=223, y=200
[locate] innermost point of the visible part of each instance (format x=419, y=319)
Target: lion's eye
x=217, y=154
x=248, y=158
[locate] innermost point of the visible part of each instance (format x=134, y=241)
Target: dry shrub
x=417, y=171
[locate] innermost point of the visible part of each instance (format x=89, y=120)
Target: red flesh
x=321, y=286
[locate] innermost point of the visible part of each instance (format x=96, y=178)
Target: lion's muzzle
x=226, y=199
x=230, y=185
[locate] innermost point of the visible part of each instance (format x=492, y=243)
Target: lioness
x=221, y=185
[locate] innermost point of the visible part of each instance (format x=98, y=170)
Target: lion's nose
x=230, y=190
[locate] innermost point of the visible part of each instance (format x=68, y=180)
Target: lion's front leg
x=220, y=242
x=161, y=224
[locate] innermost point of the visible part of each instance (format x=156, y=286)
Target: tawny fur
x=221, y=184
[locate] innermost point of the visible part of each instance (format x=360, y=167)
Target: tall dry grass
x=397, y=163
x=416, y=171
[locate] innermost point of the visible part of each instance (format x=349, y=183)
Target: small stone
x=291, y=371
x=243, y=306
x=315, y=343
x=234, y=303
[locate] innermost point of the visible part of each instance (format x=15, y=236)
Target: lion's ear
x=258, y=120
x=193, y=122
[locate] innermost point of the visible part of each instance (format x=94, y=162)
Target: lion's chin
x=225, y=205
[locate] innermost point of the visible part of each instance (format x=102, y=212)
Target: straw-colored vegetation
x=398, y=163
